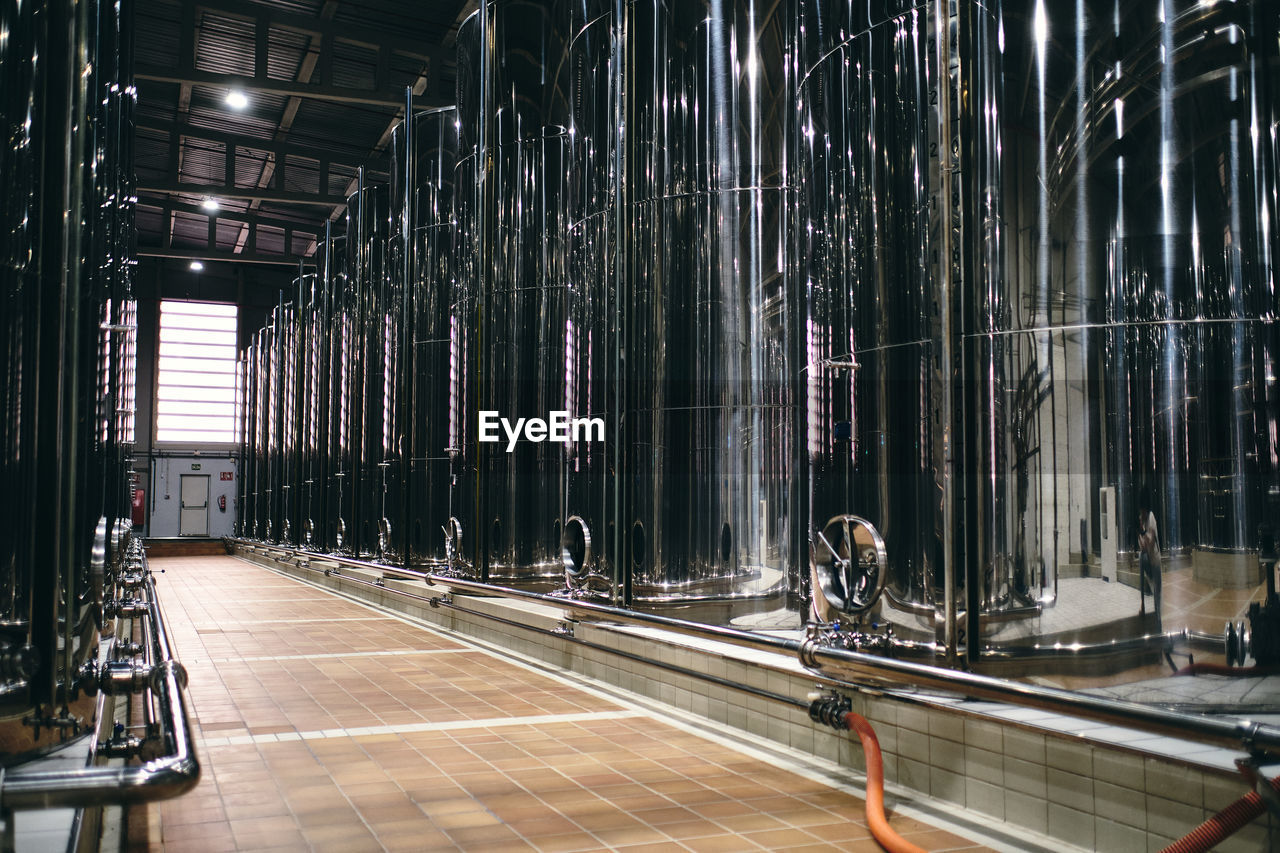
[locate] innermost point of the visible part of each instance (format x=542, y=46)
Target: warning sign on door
x=224, y=475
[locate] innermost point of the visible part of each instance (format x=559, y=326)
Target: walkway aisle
x=324, y=725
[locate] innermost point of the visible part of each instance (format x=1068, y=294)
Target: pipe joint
x=133, y=580
x=127, y=608
x=830, y=709
x=122, y=746
x=122, y=677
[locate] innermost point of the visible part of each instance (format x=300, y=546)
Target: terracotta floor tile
x=495, y=837
x=719, y=844
x=542, y=826
x=938, y=839
x=570, y=842
x=756, y=822
x=463, y=820
x=629, y=836
x=661, y=816
x=654, y=847
x=632, y=784
x=352, y=835
x=841, y=831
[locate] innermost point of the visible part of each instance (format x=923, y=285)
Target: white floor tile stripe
x=329, y=655
x=235, y=624
x=451, y=725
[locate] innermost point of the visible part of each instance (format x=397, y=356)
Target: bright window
x=196, y=386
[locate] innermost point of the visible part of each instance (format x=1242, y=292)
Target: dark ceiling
x=325, y=81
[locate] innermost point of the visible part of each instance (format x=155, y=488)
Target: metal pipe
x=169, y=776
x=859, y=670
x=405, y=444
x=942, y=34
x=440, y=601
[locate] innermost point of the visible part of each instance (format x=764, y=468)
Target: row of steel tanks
x=918, y=297
x=68, y=340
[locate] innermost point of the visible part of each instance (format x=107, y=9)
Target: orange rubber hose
x=1222, y=825
x=888, y=837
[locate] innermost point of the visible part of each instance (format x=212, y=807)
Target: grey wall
x=165, y=500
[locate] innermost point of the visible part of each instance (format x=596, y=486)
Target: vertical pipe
x=280, y=495
x=942, y=35
x=324, y=445
x=408, y=349
x=483, y=251
x=299, y=455
x=355, y=263
x=622, y=511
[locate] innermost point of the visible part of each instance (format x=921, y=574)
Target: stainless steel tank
x=376, y=336
x=866, y=268
x=313, y=342
x=273, y=415
x=707, y=328
x=1006, y=364
x=422, y=202
x=522, y=291
x=1115, y=194
x=290, y=347
x=343, y=421
x=462, y=543
x=244, y=442
x=588, y=539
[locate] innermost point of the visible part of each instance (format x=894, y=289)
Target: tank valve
x=830, y=709
x=114, y=678
x=121, y=745
x=127, y=608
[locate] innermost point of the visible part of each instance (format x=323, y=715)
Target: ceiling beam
x=220, y=256
x=224, y=191
x=240, y=217
x=367, y=37
x=286, y=88
x=240, y=140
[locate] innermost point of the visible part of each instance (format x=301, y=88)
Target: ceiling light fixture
x=237, y=100
x=196, y=266
x=210, y=204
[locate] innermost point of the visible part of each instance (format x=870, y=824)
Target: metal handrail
x=860, y=670
x=168, y=776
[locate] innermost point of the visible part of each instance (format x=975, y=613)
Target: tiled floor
x=324, y=726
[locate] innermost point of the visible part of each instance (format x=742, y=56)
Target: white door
x=193, y=513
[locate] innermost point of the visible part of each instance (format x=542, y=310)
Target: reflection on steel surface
x=807, y=263
x=708, y=342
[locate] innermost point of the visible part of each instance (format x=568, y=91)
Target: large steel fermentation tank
x=461, y=540
x=707, y=329
x=245, y=440
x=375, y=320
x=68, y=340
x=291, y=400
x=343, y=421
x=514, y=115
x=422, y=218
x=865, y=259
x=591, y=480
x=312, y=384
x=258, y=439
x=1116, y=197
x=1080, y=311
x=273, y=382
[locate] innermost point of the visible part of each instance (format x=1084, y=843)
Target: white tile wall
x=1034, y=770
